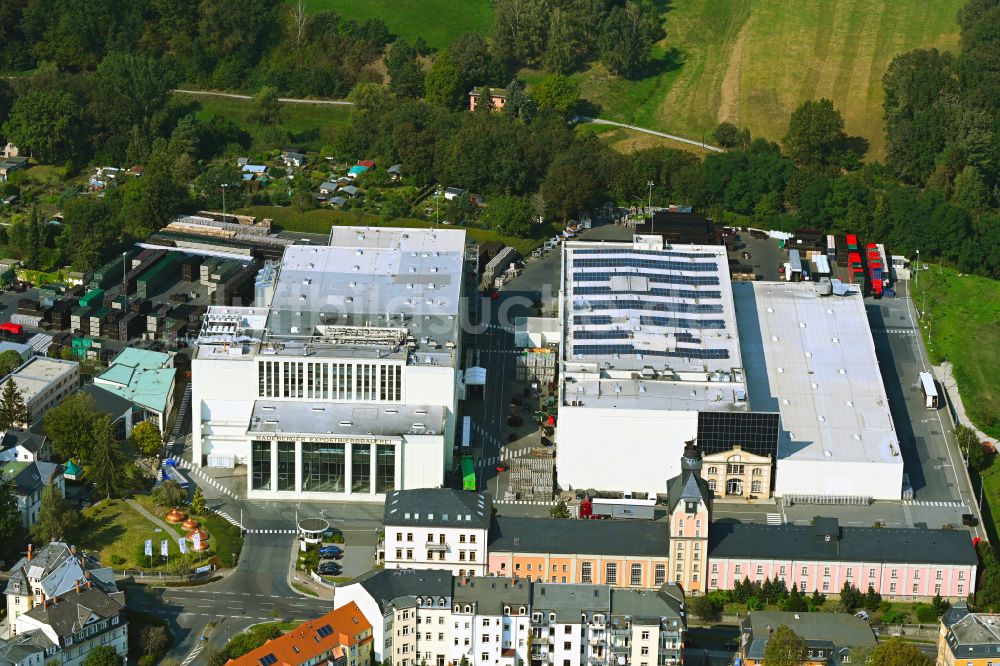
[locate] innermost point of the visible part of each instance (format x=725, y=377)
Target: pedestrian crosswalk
x=894, y=331
x=505, y=455
x=525, y=502
x=229, y=519
x=196, y=471
x=935, y=503
x=194, y=653
x=774, y=519
x=270, y=531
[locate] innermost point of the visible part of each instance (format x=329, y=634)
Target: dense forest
x=99, y=92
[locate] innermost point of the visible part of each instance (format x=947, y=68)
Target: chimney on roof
x=87, y=574
x=29, y=552
x=89, y=585
x=77, y=587
x=72, y=549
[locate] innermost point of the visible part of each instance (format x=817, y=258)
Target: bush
x=118, y=559
x=251, y=639
x=168, y=494
x=925, y=614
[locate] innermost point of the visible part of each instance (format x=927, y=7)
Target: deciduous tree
x=557, y=92
x=9, y=361
x=102, y=655
x=70, y=428
x=815, y=133
x=897, y=652
x=147, y=438
x=627, y=37
x=45, y=124
x=785, y=648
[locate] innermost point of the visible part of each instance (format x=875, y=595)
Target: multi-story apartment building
x=342, y=637
x=430, y=616
x=398, y=601
x=489, y=618
x=437, y=529
x=66, y=603
x=968, y=639
x=831, y=638
x=343, y=381
x=44, y=383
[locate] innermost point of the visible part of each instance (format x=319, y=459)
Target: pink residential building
x=897, y=563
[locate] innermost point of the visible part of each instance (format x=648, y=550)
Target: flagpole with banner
x=163, y=550
x=149, y=551
x=182, y=545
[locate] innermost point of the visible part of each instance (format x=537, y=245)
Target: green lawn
x=438, y=21
x=309, y=125
x=753, y=61
x=319, y=222
x=962, y=325
x=113, y=530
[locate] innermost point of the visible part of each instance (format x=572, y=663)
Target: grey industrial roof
x=582, y=537
x=491, y=593
x=856, y=544
x=385, y=585
x=438, y=507
x=834, y=629
x=649, y=606
x=327, y=418
x=73, y=610
x=649, y=326
x=568, y=601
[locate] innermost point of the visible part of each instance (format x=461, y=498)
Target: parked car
x=969, y=519
x=330, y=549
x=330, y=569
x=326, y=557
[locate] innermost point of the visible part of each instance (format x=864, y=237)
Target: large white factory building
x=658, y=347
x=342, y=382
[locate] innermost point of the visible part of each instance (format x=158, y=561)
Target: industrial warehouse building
x=777, y=382
x=344, y=384
x=650, y=358
x=811, y=357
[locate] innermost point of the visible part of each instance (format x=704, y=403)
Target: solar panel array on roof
x=268, y=659
x=754, y=432
x=324, y=631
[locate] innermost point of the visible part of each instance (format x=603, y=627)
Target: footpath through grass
x=309, y=125
x=961, y=324
x=319, y=221
x=439, y=22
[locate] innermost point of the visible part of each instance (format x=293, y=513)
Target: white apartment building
x=430, y=616
x=345, y=383
x=437, y=529
x=44, y=383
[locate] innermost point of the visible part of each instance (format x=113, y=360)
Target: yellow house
x=968, y=639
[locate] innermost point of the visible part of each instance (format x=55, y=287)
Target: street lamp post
x=649, y=204
x=916, y=277
x=223, y=186
x=124, y=285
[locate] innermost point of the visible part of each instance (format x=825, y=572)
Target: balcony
x=597, y=640
x=437, y=547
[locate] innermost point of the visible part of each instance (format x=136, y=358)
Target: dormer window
x=691, y=507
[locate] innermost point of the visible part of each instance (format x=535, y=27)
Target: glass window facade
x=322, y=467
x=286, y=465
x=361, y=477
x=260, y=453
x=385, y=468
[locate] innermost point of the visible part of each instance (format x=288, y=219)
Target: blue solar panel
x=695, y=308
x=691, y=280
x=268, y=659
x=324, y=631
x=659, y=253
x=593, y=320
x=634, y=262
x=687, y=294
x=680, y=352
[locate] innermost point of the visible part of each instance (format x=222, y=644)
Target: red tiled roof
x=334, y=632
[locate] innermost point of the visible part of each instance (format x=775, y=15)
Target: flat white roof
x=812, y=358
x=649, y=326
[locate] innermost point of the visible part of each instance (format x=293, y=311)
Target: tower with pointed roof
x=690, y=505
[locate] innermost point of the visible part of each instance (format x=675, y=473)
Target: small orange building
x=498, y=96
x=340, y=638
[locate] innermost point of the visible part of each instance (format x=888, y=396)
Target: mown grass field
x=962, y=325
x=753, y=61
x=319, y=221
x=309, y=125
x=438, y=21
